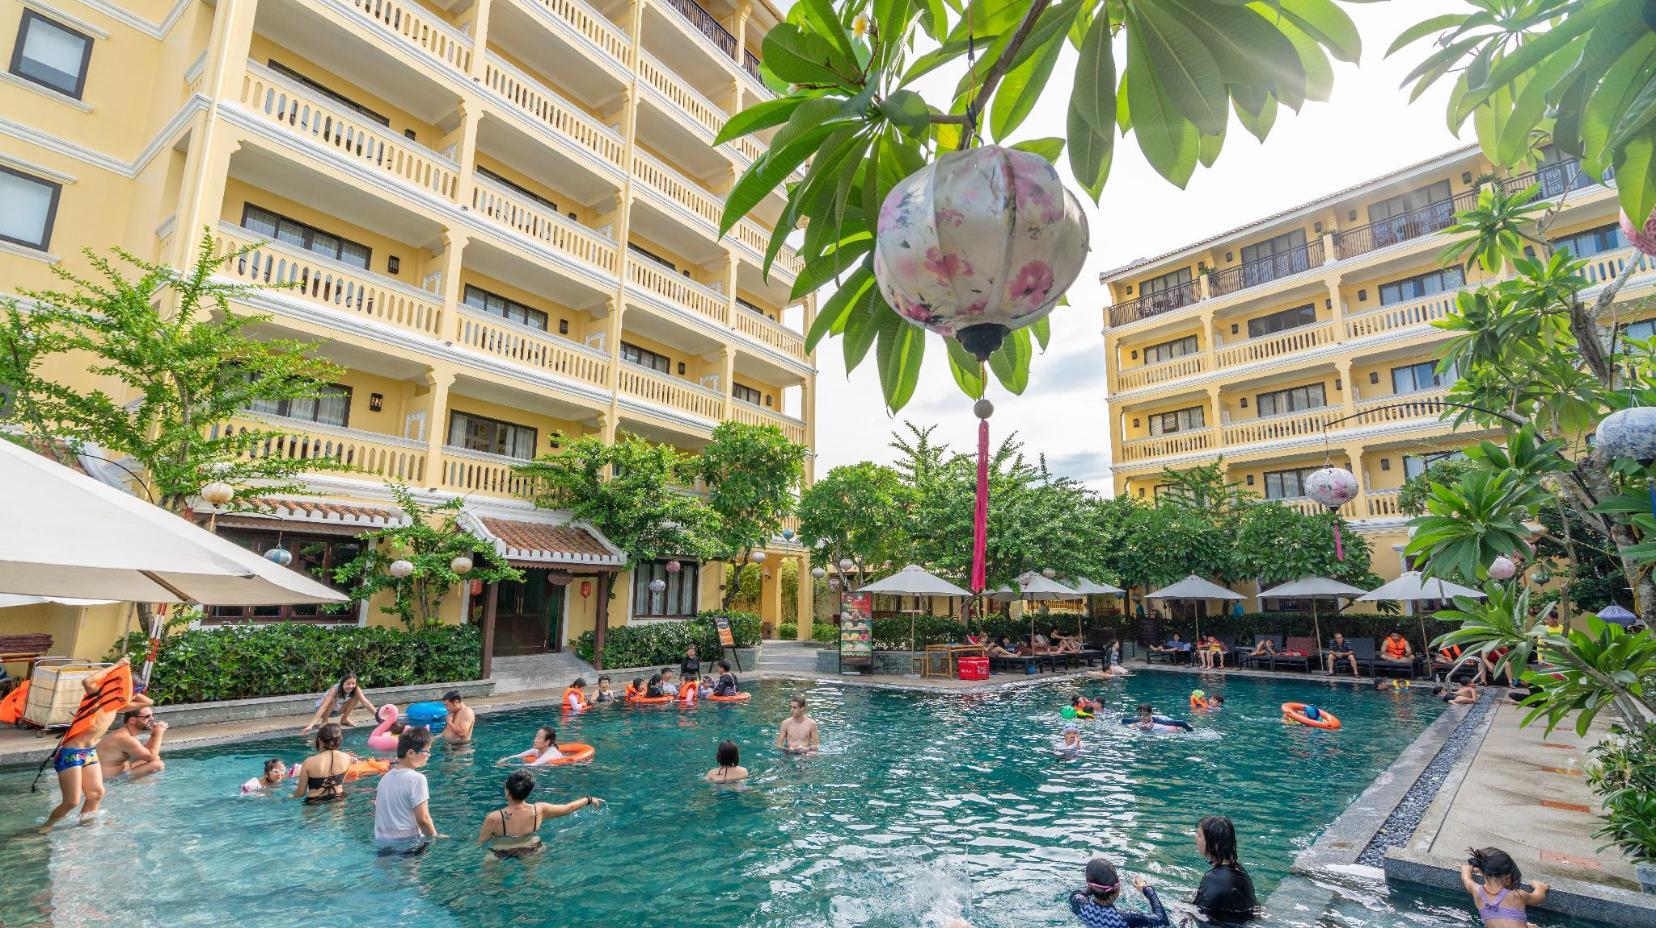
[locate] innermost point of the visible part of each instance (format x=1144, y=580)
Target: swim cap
x=1070, y=727
x=1197, y=694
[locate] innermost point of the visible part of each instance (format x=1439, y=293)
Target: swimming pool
x=919, y=806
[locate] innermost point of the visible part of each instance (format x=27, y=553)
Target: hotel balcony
x=545, y=226
x=671, y=393
x=350, y=452
x=465, y=471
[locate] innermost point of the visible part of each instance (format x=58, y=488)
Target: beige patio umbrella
x=1411, y=587
x=1194, y=587
x=1088, y=588
x=1312, y=588
x=1036, y=586
x=913, y=580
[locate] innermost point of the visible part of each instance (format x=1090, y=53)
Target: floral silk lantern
x=979, y=243
x=1643, y=237
x=1502, y=568
x=1333, y=487
x=674, y=567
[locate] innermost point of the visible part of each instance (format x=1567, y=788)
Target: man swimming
x=461, y=719
x=798, y=734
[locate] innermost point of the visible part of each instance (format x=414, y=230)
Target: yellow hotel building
x=1306, y=338
x=501, y=218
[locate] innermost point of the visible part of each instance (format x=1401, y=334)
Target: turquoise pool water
x=918, y=808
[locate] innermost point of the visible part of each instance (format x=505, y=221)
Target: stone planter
x=1646, y=874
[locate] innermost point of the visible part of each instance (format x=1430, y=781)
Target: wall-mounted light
x=1141, y=492
x=1135, y=423
x=1244, y=402
x=1129, y=292
x=681, y=368
x=1316, y=227
x=1228, y=256
x=1374, y=377
x=1235, y=329
x=1362, y=296
x=1133, y=354
x=1328, y=302
x=1466, y=177
x=408, y=134
x=563, y=326
x=376, y=402
x=553, y=443
x=1250, y=480
x=393, y=264
x=1201, y=266
x=1351, y=215
x=1385, y=463
x=1337, y=384
x=767, y=399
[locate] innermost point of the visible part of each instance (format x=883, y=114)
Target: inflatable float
x=432, y=716
x=1199, y=701
x=650, y=700
x=572, y=753
x=1295, y=712
x=735, y=697
x=371, y=767
x=381, y=738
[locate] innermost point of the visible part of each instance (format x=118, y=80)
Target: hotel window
x=1422, y=285
x=1170, y=281
x=1643, y=330
x=1590, y=242
x=1282, y=321
x=752, y=308
x=331, y=407
x=676, y=601
x=1414, y=465
x=746, y=394
x=1283, y=244
x=497, y=305
x=647, y=253
x=315, y=556
x=328, y=92
x=1179, y=420
x=1283, y=402
x=644, y=357
x=282, y=229
x=1287, y=484
x=28, y=208
x=479, y=433
x=51, y=54
x=1435, y=196
x=1412, y=378
x=1167, y=351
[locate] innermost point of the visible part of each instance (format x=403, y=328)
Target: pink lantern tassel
x=1339, y=551
x=980, y=515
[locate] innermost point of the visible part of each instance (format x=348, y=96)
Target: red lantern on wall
x=586, y=588
x=477, y=588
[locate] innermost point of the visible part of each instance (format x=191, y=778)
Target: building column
x=491, y=607
x=1336, y=308
x=770, y=591
x=807, y=599
x=480, y=38
x=454, y=251
x=727, y=274
x=1348, y=390
x=436, y=426
x=727, y=379
x=1218, y=408
x=600, y=627
x=464, y=139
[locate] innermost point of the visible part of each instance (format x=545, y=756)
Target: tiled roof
x=544, y=542
x=313, y=510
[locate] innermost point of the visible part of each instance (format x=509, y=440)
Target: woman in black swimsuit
x=322, y=775
x=512, y=830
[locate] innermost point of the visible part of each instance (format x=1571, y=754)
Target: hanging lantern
x=1502, y=568
x=586, y=588
x=1333, y=487
x=846, y=564
x=657, y=585
x=979, y=243
x=1643, y=237
x=1543, y=578
x=674, y=567
x=559, y=578
x=818, y=572
x=787, y=534
x=757, y=557
x=461, y=565
x=1629, y=433
x=400, y=568
x=279, y=556
x=218, y=493
x=477, y=588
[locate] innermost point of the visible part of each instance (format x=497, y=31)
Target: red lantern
x=586, y=588
x=477, y=588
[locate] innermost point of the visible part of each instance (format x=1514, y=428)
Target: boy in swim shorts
x=76, y=760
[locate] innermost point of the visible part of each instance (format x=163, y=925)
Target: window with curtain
x=497, y=305
x=1277, y=245
x=676, y=601
x=1433, y=195
x=1165, y=282
x=1167, y=351
x=282, y=229
x=1643, y=330
x=1412, y=378
x=315, y=556
x=492, y=436
x=1421, y=285
x=1287, y=484
x=28, y=208
x=746, y=394
x=1282, y=321
x=1590, y=242
x=51, y=54
x=1294, y=399
x=331, y=407
x=644, y=357
x=1179, y=420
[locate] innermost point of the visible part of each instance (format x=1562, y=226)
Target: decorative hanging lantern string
x=980, y=512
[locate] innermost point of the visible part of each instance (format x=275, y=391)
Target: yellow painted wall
x=413, y=261
x=1231, y=399
x=263, y=50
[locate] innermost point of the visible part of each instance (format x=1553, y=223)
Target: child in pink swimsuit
x=1500, y=900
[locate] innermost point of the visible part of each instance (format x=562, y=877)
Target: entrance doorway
x=528, y=615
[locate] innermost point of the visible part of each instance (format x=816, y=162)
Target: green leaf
x=908, y=111
x=1319, y=74
x=1048, y=148
x=762, y=176
x=1042, y=328
x=1248, y=48
x=1209, y=147
x=1621, y=84
x=1169, y=140
x=1090, y=123
x=1527, y=56
x=831, y=318
x=1258, y=124
x=968, y=373
x=1326, y=23
x=821, y=14
x=1636, y=116
x=862, y=324
x=760, y=115
x=1183, y=66
x=1010, y=362
x=818, y=272
x=1635, y=165
x=1530, y=104
x=1021, y=87
x=1423, y=29
x=900, y=351
x=934, y=19
x=801, y=57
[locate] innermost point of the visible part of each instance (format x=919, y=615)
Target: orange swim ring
x=1295, y=712
x=651, y=700
x=573, y=753
x=738, y=697
x=370, y=767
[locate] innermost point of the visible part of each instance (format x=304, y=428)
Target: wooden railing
x=1400, y=407
x=1263, y=271
x=706, y=24
x=422, y=30
x=774, y=334
x=1383, y=503
x=385, y=456
x=546, y=108
x=588, y=23
x=1400, y=316
x=274, y=98
x=1154, y=304
x=1277, y=428
x=678, y=289
x=466, y=471
x=1416, y=223
x=662, y=390
x=1274, y=346
x=327, y=282
x=678, y=188
x=1134, y=377
x=543, y=224
x=703, y=113
x=532, y=348
x=1181, y=442
x=743, y=411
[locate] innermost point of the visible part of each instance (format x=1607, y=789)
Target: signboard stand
x=727, y=640
x=857, y=634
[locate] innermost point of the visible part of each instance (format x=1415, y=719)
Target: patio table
x=951, y=654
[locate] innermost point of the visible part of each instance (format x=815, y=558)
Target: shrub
x=664, y=643
x=246, y=661
x=820, y=631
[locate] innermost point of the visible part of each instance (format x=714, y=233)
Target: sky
x=1365, y=129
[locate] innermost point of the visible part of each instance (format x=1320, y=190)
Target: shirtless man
x=798, y=734
x=461, y=718
x=76, y=759
x=120, y=751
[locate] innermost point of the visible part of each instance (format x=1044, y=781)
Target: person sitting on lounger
x=1263, y=646
x=1340, y=650
x=1211, y=653
x=1004, y=648
x=1396, y=649
x=1115, y=669
x=1174, y=645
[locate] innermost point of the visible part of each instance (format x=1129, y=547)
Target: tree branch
x=998, y=71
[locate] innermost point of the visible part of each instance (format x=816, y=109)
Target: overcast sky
x=1366, y=129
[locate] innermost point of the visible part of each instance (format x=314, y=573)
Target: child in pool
x=653, y=689
x=275, y=771
x=1095, y=905
x=705, y=686
x=604, y=694
x=635, y=689
x=1500, y=901
x=1069, y=743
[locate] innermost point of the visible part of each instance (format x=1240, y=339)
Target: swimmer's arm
x=299, y=783
x=815, y=740
x=323, y=710
x=782, y=734
x=559, y=810
x=490, y=829
x=1536, y=895
x=422, y=820
x=91, y=681
x=1467, y=883
x=1158, y=915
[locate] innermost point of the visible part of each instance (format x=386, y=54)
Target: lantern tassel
x=1339, y=550
x=980, y=515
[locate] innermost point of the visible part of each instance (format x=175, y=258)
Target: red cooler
x=974, y=668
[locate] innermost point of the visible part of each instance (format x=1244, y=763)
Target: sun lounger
x=1309, y=653
x=1362, y=651
x=1246, y=657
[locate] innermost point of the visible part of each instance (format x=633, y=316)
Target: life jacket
x=114, y=691
x=580, y=703
x=1451, y=653
x=1395, y=649
x=631, y=693
x=1198, y=702
x=11, y=708
x=688, y=694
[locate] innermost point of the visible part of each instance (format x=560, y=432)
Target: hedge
x=664, y=643
x=892, y=634
x=820, y=631
x=246, y=661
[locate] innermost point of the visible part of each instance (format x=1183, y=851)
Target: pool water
x=919, y=808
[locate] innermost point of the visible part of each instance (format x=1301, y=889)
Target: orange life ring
x=739, y=697
x=372, y=767
x=651, y=700
x=1295, y=712
x=573, y=753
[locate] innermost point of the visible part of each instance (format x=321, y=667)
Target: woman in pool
x=346, y=695
x=1148, y=720
x=1116, y=669
x=730, y=769
x=544, y=751
x=1226, y=894
x=512, y=830
x=322, y=775
x=1501, y=902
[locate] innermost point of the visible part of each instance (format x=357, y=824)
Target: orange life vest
x=580, y=699
x=1451, y=653
x=1396, y=648
x=11, y=708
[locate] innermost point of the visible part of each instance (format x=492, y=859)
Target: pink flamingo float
x=381, y=739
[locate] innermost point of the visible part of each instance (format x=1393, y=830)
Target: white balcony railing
x=792, y=428
x=676, y=288
x=671, y=392
x=547, y=109
x=421, y=30
x=543, y=224
x=532, y=348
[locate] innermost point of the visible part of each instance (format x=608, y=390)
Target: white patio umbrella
x=1411, y=587
x=913, y=580
x=67, y=535
x=1088, y=588
x=1036, y=587
x=1194, y=587
x=1313, y=588
x=9, y=600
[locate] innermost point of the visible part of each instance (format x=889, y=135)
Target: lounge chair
x=1379, y=665
x=1307, y=646
x=1362, y=651
x=1172, y=657
x=1246, y=657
